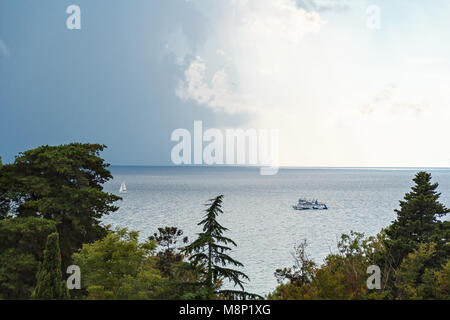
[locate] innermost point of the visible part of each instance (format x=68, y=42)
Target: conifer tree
x=209, y=252
x=49, y=277
x=169, y=256
x=418, y=222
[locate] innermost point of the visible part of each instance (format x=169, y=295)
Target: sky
x=347, y=83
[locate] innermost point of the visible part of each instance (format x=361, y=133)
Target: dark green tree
x=49, y=277
x=61, y=183
x=22, y=244
x=170, y=260
x=418, y=223
x=167, y=239
x=209, y=253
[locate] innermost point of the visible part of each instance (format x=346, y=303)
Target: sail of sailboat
x=123, y=187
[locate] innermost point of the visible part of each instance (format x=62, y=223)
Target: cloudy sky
x=343, y=87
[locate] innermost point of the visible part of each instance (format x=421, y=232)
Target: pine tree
x=417, y=222
x=167, y=239
x=209, y=252
x=49, y=277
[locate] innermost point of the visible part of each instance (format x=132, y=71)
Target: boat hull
x=309, y=205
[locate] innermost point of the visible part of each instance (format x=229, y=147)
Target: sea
x=258, y=209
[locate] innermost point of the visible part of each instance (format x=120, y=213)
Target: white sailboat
x=123, y=187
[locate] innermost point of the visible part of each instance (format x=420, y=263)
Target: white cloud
x=392, y=100
x=215, y=95
x=325, y=5
x=335, y=91
x=221, y=52
x=253, y=26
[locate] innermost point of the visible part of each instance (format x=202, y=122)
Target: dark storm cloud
x=111, y=82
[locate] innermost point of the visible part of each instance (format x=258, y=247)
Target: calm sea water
x=258, y=209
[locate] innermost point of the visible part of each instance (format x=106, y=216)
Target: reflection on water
x=258, y=209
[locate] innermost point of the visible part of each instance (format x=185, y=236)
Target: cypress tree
x=49, y=277
x=417, y=222
x=209, y=252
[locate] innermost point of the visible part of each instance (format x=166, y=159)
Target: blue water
x=258, y=209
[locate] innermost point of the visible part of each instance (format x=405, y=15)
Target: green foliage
x=59, y=189
x=342, y=276
x=22, y=243
x=298, y=277
x=49, y=278
x=184, y=278
x=349, y=265
x=417, y=222
x=442, y=277
x=167, y=238
x=303, y=270
x=60, y=183
x=412, y=253
x=415, y=280
x=119, y=267
x=208, y=254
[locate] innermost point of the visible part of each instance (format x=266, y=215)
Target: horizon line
x=281, y=167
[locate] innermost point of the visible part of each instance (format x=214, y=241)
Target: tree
x=443, y=281
x=303, y=270
x=49, y=278
x=415, y=280
x=119, y=267
x=184, y=278
x=208, y=252
x=61, y=183
x=342, y=276
x=167, y=238
x=418, y=223
x=294, y=283
x=22, y=244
